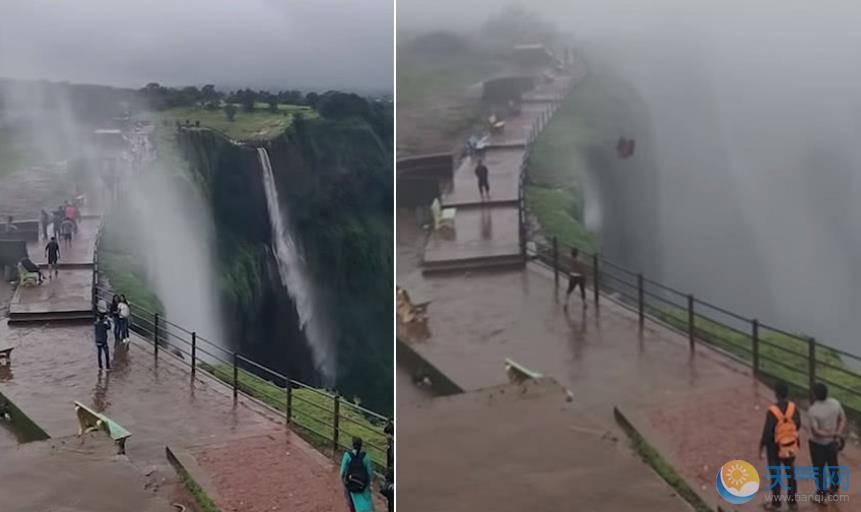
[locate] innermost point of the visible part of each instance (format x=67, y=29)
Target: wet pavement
x=71, y=290
x=490, y=228
x=514, y=448
x=482, y=232
x=700, y=408
x=503, y=166
x=77, y=475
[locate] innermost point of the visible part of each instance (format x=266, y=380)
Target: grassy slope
x=590, y=118
x=257, y=125
x=313, y=411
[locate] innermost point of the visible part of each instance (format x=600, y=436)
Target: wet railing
x=771, y=352
x=325, y=419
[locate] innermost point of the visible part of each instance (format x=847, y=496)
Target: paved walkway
x=70, y=293
x=701, y=409
x=513, y=448
x=489, y=228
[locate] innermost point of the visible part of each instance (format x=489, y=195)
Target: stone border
x=22, y=424
x=441, y=385
x=192, y=476
x=651, y=456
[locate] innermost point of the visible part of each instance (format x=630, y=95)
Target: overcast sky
x=344, y=44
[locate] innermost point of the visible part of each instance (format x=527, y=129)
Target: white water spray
x=295, y=277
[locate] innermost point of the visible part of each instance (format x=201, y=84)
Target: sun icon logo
x=737, y=482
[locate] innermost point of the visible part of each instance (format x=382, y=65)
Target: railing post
x=289, y=401
x=336, y=422
x=556, y=262
x=193, y=354
x=235, y=377
x=596, y=278
x=640, y=305
x=691, y=321
x=811, y=361
x=155, y=336
x=754, y=336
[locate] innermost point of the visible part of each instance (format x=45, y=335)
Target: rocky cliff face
x=335, y=177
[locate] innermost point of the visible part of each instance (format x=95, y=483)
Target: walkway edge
x=650, y=455
x=21, y=423
x=417, y=365
x=193, y=478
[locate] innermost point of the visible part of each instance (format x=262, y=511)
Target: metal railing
x=771, y=352
x=325, y=419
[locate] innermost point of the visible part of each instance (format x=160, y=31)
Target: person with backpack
x=827, y=425
x=781, y=444
x=357, y=473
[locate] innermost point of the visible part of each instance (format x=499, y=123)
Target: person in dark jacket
x=102, y=327
x=768, y=444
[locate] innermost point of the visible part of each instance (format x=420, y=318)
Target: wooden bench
x=6, y=356
x=519, y=373
x=495, y=124
x=89, y=420
x=442, y=217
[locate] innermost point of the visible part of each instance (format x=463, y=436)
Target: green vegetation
x=258, y=125
x=650, y=456
x=588, y=121
x=122, y=268
x=780, y=356
x=200, y=496
x=312, y=413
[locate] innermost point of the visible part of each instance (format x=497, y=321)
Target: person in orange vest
x=781, y=445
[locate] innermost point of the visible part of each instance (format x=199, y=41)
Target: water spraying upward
x=295, y=277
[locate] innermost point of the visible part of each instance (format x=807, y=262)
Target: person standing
x=103, y=325
x=123, y=315
x=59, y=215
x=67, y=227
x=357, y=473
x=45, y=220
x=576, y=277
x=52, y=251
x=115, y=317
x=781, y=445
x=483, y=183
x=827, y=426
x=388, y=487
x=10, y=225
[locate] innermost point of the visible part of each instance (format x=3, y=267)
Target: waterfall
x=296, y=278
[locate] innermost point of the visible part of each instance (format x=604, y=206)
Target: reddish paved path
x=679, y=399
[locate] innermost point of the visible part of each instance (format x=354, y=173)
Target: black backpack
x=356, y=478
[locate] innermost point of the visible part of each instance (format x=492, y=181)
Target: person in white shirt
x=123, y=317
x=827, y=425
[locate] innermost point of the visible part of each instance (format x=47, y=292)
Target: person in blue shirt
x=102, y=328
x=357, y=472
